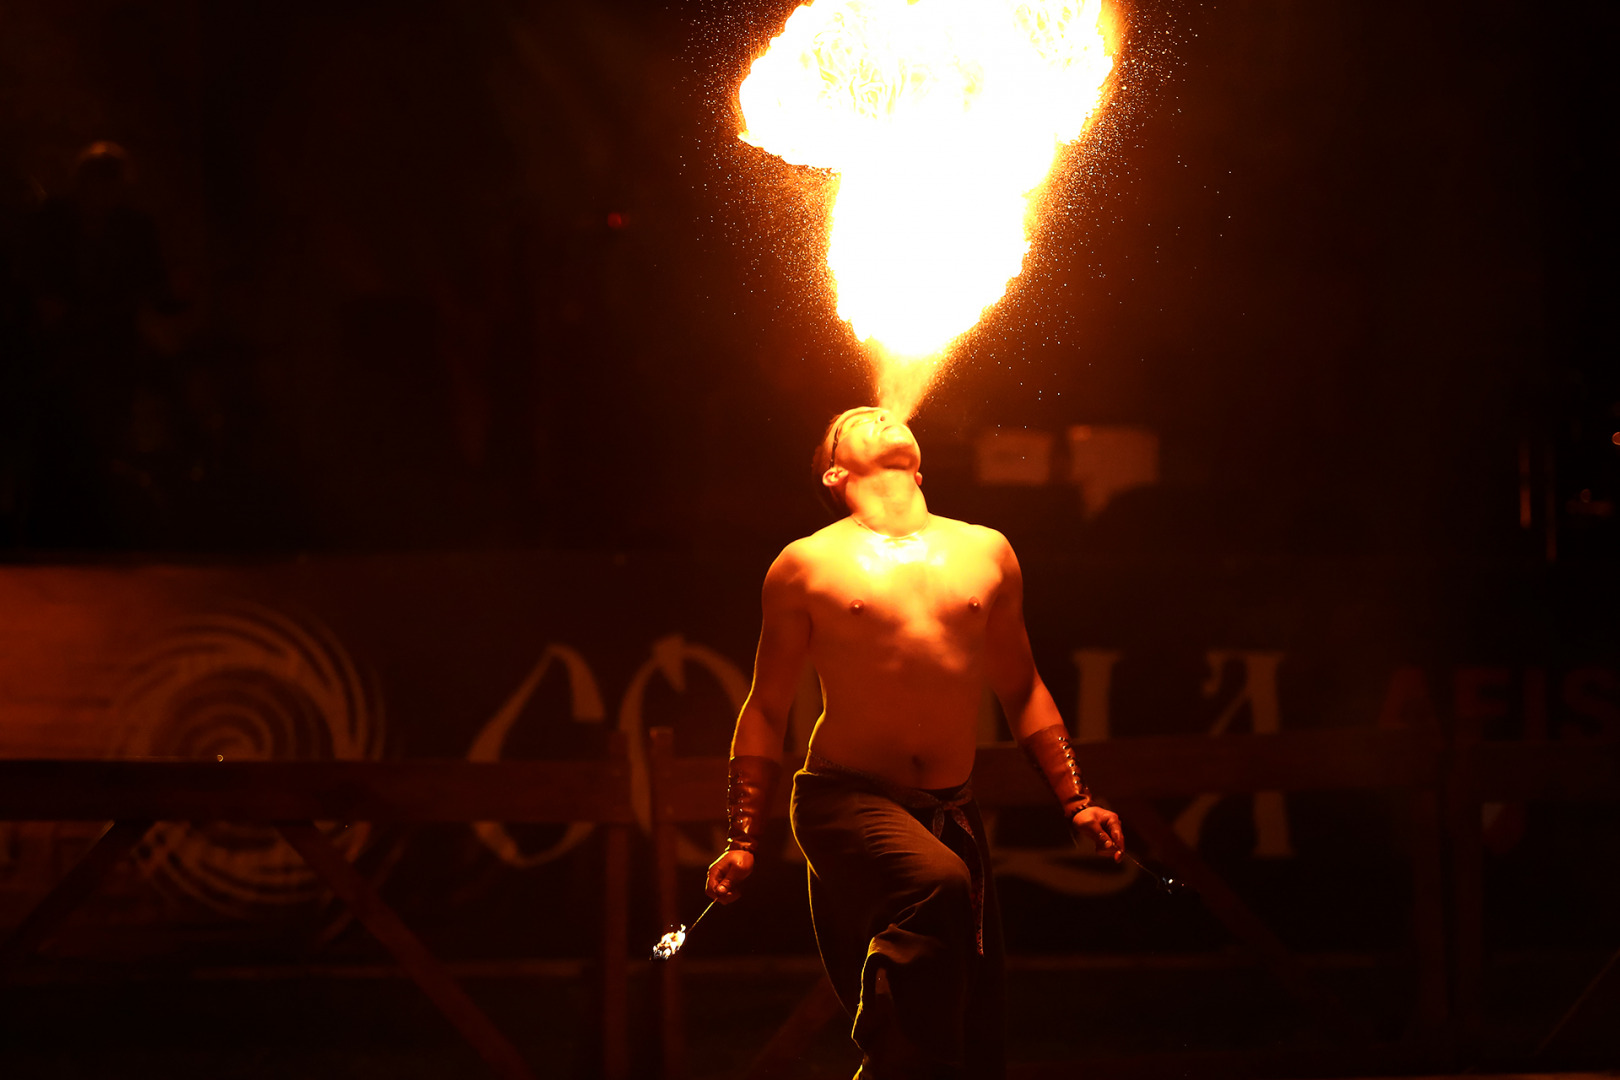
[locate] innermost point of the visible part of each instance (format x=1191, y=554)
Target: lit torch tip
x=670, y=943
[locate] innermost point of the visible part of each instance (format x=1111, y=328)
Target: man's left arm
x=1032, y=714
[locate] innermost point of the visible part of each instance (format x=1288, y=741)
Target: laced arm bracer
x=750, y=783
x=1051, y=752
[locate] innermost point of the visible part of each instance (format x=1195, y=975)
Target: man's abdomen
x=912, y=735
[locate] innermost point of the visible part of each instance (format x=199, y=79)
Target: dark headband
x=838, y=432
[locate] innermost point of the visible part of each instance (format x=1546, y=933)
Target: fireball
x=942, y=120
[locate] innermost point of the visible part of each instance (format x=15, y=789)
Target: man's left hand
x=1103, y=828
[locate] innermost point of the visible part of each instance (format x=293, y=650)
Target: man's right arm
x=784, y=642
x=756, y=746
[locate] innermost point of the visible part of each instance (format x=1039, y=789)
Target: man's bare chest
x=900, y=585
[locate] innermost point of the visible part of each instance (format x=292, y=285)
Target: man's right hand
x=1101, y=826
x=727, y=873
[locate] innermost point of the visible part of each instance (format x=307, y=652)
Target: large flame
x=942, y=118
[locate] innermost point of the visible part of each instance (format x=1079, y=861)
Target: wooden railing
x=292, y=796
x=1132, y=772
x=1519, y=772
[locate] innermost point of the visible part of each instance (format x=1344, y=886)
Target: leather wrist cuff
x=1050, y=751
x=750, y=783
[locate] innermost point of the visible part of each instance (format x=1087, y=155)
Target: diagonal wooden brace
x=78, y=883
x=818, y=1008
x=1605, y=973
x=1237, y=916
x=414, y=958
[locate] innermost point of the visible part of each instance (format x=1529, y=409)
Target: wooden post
x=615, y=953
x=615, y=937
x=421, y=965
x=672, y=1026
x=1467, y=897
x=1428, y=916
x=78, y=883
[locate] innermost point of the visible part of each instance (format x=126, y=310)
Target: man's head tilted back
x=860, y=441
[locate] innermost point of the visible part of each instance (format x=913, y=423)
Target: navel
x=856, y=607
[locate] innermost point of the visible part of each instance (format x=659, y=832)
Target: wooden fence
x=1446, y=938
x=1442, y=786
x=1496, y=772
x=293, y=796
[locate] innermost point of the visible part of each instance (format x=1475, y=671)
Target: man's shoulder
x=824, y=534
x=802, y=553
x=967, y=530
x=830, y=541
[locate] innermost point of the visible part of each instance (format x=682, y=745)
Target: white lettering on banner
x=1064, y=869
x=670, y=655
x=586, y=708
x=1259, y=693
x=804, y=713
x=802, y=717
x=988, y=724
x=1096, y=669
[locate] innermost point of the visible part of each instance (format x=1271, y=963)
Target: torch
x=1169, y=885
x=672, y=942
x=670, y=945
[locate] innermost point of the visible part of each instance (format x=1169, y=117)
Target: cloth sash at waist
x=942, y=805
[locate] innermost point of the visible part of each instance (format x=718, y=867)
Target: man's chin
x=898, y=440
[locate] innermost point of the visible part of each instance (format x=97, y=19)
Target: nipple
x=856, y=607
x=973, y=603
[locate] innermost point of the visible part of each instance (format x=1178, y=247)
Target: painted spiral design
x=247, y=684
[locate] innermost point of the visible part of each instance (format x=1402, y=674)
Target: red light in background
x=616, y=220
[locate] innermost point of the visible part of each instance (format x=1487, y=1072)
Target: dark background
x=390, y=302
x=434, y=275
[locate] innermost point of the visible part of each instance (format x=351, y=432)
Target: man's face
x=870, y=438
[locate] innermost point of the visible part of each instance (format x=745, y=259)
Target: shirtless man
x=906, y=615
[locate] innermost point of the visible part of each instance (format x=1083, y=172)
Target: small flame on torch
x=942, y=119
x=675, y=940
x=670, y=943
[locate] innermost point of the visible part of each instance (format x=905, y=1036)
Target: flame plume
x=942, y=118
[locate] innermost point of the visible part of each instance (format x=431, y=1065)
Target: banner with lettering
x=539, y=654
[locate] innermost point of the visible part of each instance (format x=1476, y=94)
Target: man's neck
x=887, y=501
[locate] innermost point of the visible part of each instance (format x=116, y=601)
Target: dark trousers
x=897, y=925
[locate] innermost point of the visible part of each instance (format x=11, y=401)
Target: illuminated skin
x=906, y=616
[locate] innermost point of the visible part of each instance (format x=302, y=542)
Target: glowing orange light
x=670, y=944
x=942, y=118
